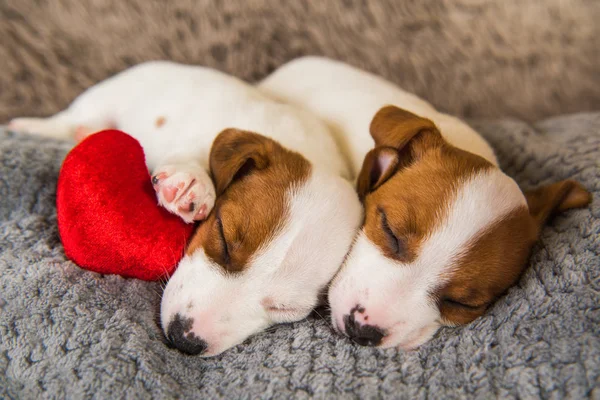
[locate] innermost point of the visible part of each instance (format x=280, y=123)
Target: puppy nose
x=365, y=335
x=180, y=335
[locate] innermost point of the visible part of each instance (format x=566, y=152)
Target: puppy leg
x=92, y=111
x=185, y=189
x=72, y=123
x=59, y=126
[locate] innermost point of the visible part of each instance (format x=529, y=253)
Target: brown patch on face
x=252, y=175
x=497, y=258
x=408, y=201
x=416, y=199
x=160, y=121
x=493, y=263
x=406, y=198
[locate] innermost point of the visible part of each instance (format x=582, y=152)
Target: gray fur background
x=68, y=333
x=476, y=58
x=65, y=332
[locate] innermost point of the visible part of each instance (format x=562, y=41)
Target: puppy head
x=445, y=233
x=278, y=233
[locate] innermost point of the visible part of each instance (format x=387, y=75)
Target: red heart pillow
x=108, y=216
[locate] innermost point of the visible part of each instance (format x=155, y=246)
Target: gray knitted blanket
x=65, y=332
x=69, y=333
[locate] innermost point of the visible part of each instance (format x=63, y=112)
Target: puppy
x=278, y=220
x=445, y=231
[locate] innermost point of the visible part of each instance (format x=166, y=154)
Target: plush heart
x=108, y=217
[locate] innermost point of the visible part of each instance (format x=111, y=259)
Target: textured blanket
x=68, y=333
x=65, y=332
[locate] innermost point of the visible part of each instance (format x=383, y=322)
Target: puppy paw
x=184, y=190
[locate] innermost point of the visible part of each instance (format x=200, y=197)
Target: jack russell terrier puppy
x=445, y=231
x=284, y=212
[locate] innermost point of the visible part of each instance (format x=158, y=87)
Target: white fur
x=292, y=269
x=395, y=296
x=196, y=104
x=347, y=98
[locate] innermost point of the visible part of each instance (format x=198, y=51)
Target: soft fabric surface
x=483, y=58
x=108, y=217
x=69, y=332
x=65, y=331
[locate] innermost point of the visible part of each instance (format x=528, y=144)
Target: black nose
x=179, y=335
x=365, y=335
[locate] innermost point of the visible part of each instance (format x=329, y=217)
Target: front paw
x=184, y=190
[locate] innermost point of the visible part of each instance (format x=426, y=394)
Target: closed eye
x=224, y=247
x=396, y=245
x=458, y=304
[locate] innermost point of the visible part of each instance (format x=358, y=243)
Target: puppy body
x=175, y=111
x=445, y=231
x=284, y=211
x=347, y=98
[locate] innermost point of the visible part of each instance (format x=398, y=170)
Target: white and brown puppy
x=284, y=214
x=445, y=230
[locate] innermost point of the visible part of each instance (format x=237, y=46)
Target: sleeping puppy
x=278, y=220
x=445, y=232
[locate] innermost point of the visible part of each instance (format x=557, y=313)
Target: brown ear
x=400, y=138
x=395, y=127
x=378, y=166
x=235, y=153
x=560, y=196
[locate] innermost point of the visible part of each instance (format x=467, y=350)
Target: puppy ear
x=236, y=153
x=395, y=127
x=400, y=138
x=544, y=201
x=378, y=166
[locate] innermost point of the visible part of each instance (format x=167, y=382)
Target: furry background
x=475, y=58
